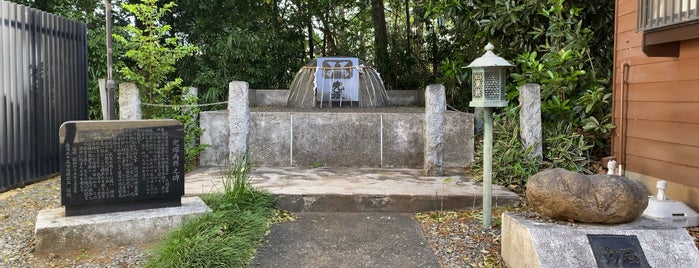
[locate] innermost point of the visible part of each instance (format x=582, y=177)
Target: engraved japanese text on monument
x=103, y=163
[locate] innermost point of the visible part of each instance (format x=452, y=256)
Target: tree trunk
x=309, y=28
x=311, y=49
x=329, y=47
x=407, y=27
x=380, y=39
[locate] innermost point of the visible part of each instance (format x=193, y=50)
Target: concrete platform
x=322, y=239
x=56, y=233
x=358, y=189
x=529, y=243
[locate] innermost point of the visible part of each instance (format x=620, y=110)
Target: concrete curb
x=385, y=203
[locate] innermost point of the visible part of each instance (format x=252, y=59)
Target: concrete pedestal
x=528, y=243
x=56, y=233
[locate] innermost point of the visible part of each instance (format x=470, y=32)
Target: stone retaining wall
x=380, y=137
x=257, y=121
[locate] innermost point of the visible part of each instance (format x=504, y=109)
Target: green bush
x=571, y=90
x=153, y=52
x=575, y=108
x=512, y=166
x=511, y=162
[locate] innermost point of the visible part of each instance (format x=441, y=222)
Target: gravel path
x=459, y=240
x=18, y=210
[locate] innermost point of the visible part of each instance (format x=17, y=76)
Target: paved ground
x=358, y=189
x=326, y=234
x=322, y=239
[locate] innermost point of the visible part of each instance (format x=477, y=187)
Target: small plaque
x=337, y=81
x=617, y=251
x=110, y=166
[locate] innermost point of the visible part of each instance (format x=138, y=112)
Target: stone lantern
x=489, y=74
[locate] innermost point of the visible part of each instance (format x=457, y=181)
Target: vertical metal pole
x=487, y=166
x=111, y=113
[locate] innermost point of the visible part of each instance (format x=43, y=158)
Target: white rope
x=361, y=66
x=183, y=105
x=453, y=108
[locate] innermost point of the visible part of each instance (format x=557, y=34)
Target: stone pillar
x=238, y=119
x=530, y=118
x=435, y=109
x=129, y=102
x=104, y=99
x=188, y=93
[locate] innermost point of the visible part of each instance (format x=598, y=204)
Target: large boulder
x=564, y=195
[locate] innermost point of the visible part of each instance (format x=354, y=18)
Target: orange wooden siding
x=662, y=134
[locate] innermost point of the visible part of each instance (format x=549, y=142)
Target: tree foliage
x=246, y=40
x=573, y=74
x=153, y=50
x=562, y=45
x=152, y=53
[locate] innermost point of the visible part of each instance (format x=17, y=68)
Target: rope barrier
x=225, y=102
x=454, y=108
x=331, y=68
x=184, y=105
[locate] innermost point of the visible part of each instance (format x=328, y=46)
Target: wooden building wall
x=662, y=118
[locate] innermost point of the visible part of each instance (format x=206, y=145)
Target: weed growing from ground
x=226, y=237
x=317, y=165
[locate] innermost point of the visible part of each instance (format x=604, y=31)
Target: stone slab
x=346, y=240
x=215, y=133
x=358, y=189
x=270, y=139
x=403, y=145
x=270, y=97
x=119, y=165
x=529, y=243
x=56, y=233
x=341, y=140
x=405, y=97
x=458, y=134
x=278, y=97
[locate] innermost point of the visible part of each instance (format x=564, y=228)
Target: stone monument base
x=56, y=233
x=529, y=243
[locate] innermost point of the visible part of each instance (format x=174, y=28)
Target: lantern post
x=489, y=74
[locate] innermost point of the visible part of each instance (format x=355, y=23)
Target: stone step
x=333, y=189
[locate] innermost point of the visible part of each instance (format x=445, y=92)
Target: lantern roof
x=489, y=59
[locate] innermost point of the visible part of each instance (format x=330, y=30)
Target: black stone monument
x=111, y=166
x=617, y=251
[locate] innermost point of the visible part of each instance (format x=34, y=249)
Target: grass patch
x=226, y=237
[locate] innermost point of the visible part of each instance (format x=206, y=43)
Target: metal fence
x=660, y=13
x=43, y=83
